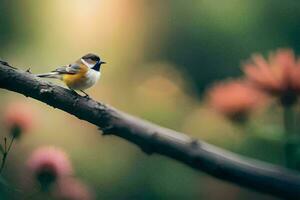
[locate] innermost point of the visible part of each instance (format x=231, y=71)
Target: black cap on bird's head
x=93, y=60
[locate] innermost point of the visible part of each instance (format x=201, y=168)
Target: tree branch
x=152, y=138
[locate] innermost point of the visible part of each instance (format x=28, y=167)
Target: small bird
x=81, y=75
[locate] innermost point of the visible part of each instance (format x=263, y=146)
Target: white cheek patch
x=87, y=64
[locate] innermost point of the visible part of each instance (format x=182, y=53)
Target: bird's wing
x=71, y=69
x=61, y=70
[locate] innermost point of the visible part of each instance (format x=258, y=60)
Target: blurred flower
x=49, y=164
x=72, y=189
x=161, y=86
x=234, y=99
x=278, y=76
x=18, y=118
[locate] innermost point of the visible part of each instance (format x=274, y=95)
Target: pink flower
x=18, y=117
x=277, y=76
x=234, y=99
x=72, y=189
x=49, y=164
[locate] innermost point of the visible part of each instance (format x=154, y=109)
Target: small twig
x=5, y=144
x=28, y=70
x=6, y=151
x=10, y=144
x=3, y=162
x=1, y=149
x=6, y=64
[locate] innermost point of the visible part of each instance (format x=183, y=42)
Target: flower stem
x=289, y=128
x=6, y=151
x=289, y=117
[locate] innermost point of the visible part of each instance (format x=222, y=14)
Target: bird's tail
x=49, y=75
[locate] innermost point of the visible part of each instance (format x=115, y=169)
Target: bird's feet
x=86, y=94
x=73, y=91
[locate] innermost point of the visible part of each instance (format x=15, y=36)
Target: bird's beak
x=102, y=62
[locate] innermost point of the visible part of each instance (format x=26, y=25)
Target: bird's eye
x=95, y=58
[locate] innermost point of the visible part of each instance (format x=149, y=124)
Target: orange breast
x=74, y=80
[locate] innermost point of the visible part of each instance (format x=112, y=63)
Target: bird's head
x=93, y=61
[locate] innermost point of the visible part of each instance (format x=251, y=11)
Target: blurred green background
x=162, y=56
